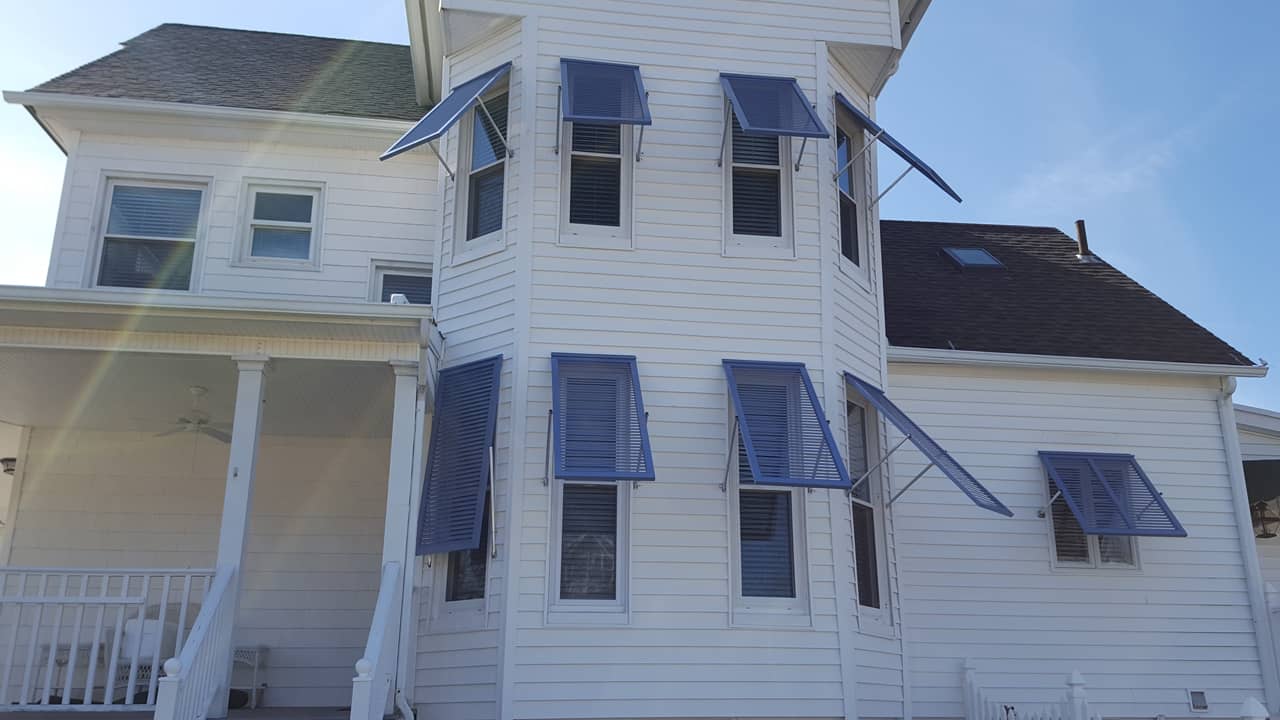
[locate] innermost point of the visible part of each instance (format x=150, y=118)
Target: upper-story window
x=848, y=181
x=149, y=234
x=758, y=185
x=867, y=509
x=282, y=225
x=412, y=280
x=482, y=179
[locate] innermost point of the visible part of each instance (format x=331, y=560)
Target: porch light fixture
x=9, y=465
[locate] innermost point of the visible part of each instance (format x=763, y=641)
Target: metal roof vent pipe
x=1082, y=240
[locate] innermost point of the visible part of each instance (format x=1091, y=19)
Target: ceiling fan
x=197, y=421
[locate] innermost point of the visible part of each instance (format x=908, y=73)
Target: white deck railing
x=91, y=638
x=376, y=671
x=193, y=679
x=979, y=705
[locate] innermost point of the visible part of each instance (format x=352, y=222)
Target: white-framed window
x=596, y=180
x=1070, y=547
x=589, y=551
x=758, y=193
x=150, y=232
x=850, y=190
x=282, y=225
x=480, y=204
x=413, y=280
x=870, y=553
x=461, y=583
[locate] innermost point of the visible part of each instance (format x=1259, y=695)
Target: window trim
x=380, y=268
x=108, y=180
x=736, y=245
x=244, y=256
x=464, y=248
x=599, y=236
x=590, y=612
x=870, y=617
x=1094, y=563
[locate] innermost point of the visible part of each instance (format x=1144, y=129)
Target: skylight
x=972, y=257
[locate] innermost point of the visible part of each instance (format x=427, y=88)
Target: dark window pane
x=281, y=243
x=856, y=417
x=484, y=204
x=753, y=149
x=595, y=188
x=842, y=158
x=146, y=264
x=1070, y=542
x=466, y=577
x=417, y=288
x=865, y=555
x=154, y=211
x=486, y=139
x=589, y=542
x=604, y=139
x=767, y=560
x=591, y=423
x=757, y=202
x=285, y=207
x=849, y=229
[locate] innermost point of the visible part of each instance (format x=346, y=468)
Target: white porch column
x=238, y=496
x=397, y=532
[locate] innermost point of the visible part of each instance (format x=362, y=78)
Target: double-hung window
x=758, y=185
x=849, y=186
x=282, y=226
x=484, y=176
x=149, y=235
x=601, y=105
x=600, y=441
x=866, y=508
x=1072, y=547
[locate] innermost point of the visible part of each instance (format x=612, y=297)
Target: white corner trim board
x=973, y=357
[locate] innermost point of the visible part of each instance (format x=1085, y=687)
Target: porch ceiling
x=147, y=392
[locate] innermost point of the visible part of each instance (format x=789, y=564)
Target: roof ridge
x=265, y=32
x=956, y=223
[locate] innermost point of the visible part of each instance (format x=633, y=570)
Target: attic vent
x=1198, y=700
x=972, y=258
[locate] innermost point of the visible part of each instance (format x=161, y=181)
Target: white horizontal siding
x=102, y=499
x=456, y=672
x=1259, y=445
x=371, y=210
x=978, y=585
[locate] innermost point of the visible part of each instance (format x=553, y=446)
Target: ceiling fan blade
x=171, y=431
x=216, y=434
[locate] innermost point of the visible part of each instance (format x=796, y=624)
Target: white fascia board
x=98, y=300
x=426, y=48
x=1258, y=419
x=53, y=101
x=972, y=357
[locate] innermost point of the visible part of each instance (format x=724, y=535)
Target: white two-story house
x=558, y=365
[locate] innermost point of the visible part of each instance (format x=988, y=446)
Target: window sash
x=1071, y=547
x=596, y=181
x=847, y=194
x=750, y=179
x=467, y=571
x=589, y=564
x=767, y=544
x=482, y=202
x=257, y=252
x=183, y=245
x=866, y=514
x=383, y=293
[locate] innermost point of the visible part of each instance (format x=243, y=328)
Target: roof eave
x=939, y=356
x=426, y=45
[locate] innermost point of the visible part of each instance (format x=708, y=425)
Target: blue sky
x=1153, y=121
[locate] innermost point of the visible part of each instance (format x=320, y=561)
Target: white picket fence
x=979, y=705
x=91, y=638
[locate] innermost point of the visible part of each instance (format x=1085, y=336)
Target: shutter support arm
x=908, y=485
x=724, y=136
x=733, y=448
x=640, y=142
x=501, y=136
x=493, y=505
x=546, y=460
x=440, y=157
x=854, y=159
x=559, y=118
x=873, y=468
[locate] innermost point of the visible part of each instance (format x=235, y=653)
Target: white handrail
x=376, y=670
x=194, y=678
x=978, y=705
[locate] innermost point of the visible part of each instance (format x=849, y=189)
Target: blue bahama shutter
x=1110, y=494
x=457, y=472
x=968, y=484
x=784, y=433
x=598, y=412
x=603, y=93
x=448, y=111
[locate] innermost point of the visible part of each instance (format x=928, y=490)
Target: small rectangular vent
x=1198, y=700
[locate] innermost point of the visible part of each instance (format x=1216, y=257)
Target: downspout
x=1249, y=549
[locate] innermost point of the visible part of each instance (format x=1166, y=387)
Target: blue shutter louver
x=1110, y=494
x=774, y=106
x=892, y=143
x=443, y=116
x=457, y=471
x=784, y=432
x=603, y=93
x=967, y=483
x=598, y=413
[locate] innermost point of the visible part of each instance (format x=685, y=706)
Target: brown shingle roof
x=251, y=69
x=1043, y=302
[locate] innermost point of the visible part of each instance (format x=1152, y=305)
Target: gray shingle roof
x=1044, y=301
x=251, y=69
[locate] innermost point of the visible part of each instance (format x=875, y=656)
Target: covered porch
x=201, y=483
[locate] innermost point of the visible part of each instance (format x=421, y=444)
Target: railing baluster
x=95, y=644
x=109, y=691
x=154, y=675
x=13, y=637
x=32, y=642
x=52, y=652
x=140, y=630
x=182, y=617
x=74, y=648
